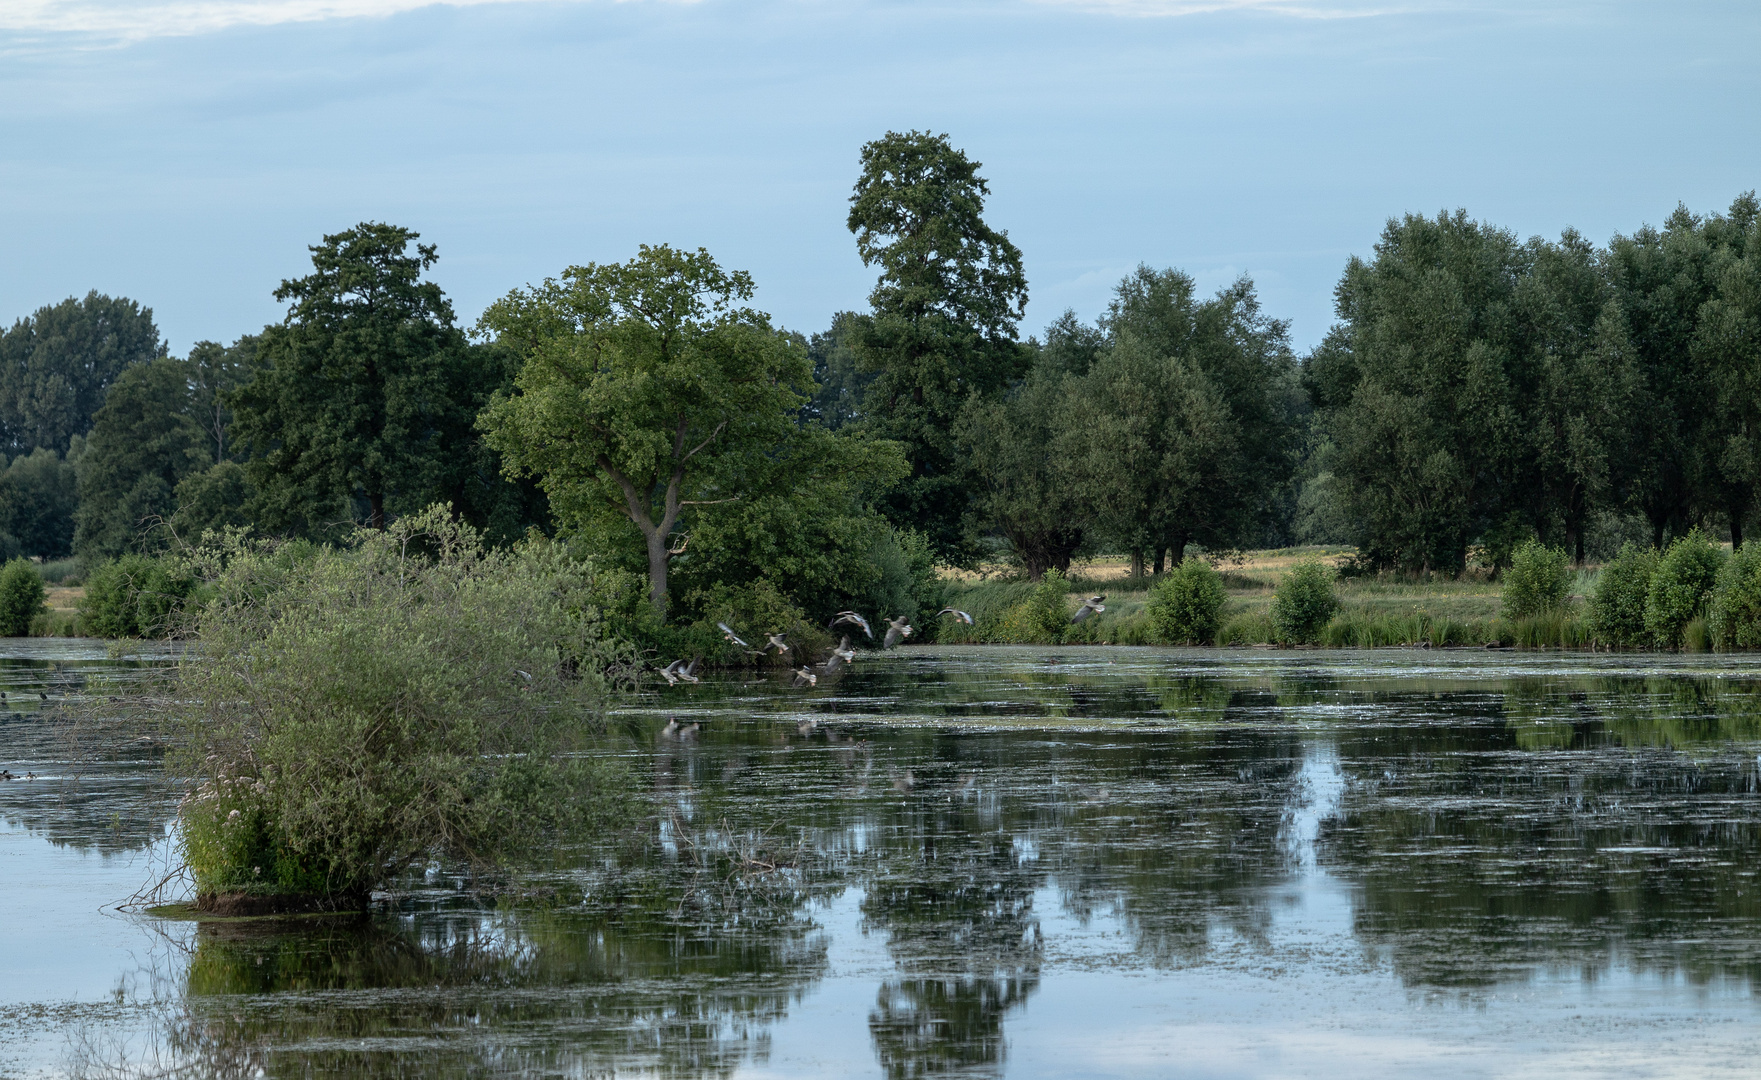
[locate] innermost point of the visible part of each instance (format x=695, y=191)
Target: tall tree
x=1024, y=487
x=644, y=388
x=352, y=407
x=1212, y=387
x=942, y=328
x=56, y=365
x=39, y=493
x=1727, y=350
x=144, y=442
x=1421, y=388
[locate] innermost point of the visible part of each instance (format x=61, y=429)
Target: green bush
x=1186, y=606
x=361, y=710
x=136, y=596
x=1685, y=578
x=1304, y=602
x=1617, y=602
x=1734, y=614
x=21, y=597
x=1538, y=581
x=1047, y=609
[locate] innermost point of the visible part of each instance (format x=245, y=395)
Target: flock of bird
x=898, y=629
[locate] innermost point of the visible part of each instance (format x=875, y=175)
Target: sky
x=185, y=153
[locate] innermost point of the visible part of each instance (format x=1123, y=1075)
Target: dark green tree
x=1421, y=389
x=1202, y=400
x=1023, y=488
x=942, y=326
x=1726, y=351
x=56, y=365
x=353, y=407
x=39, y=493
x=215, y=371
x=144, y=442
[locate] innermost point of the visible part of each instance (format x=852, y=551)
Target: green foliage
x=214, y=499
x=144, y=442
x=1617, y=602
x=943, y=321
x=39, y=493
x=360, y=403
x=646, y=391
x=1680, y=587
x=1304, y=602
x=1021, y=487
x=1045, y=614
x=1186, y=606
x=21, y=597
x=136, y=596
x=1734, y=615
x=56, y=365
x=355, y=711
x=1538, y=581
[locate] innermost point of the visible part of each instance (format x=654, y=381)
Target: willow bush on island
x=357, y=710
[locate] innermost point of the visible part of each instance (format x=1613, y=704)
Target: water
x=983, y=862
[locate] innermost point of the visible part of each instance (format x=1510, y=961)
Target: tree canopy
x=942, y=324
x=646, y=391
x=57, y=364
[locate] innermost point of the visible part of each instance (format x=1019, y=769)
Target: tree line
x=1477, y=391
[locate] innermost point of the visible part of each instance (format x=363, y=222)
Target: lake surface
x=980, y=862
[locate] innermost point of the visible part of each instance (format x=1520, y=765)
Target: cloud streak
x=135, y=20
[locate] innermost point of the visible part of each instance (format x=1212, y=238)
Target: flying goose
x=850, y=618
x=678, y=671
x=777, y=642
x=804, y=676
x=731, y=636
x=897, y=631
x=959, y=616
x=1089, y=607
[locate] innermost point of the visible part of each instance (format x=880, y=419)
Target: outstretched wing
x=731, y=636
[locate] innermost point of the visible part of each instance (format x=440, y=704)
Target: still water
x=981, y=862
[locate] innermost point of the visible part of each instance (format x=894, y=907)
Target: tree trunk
x=1137, y=563
x=1736, y=529
x=657, y=566
x=376, y=510
x=1176, y=550
x=1579, y=553
x=1161, y=558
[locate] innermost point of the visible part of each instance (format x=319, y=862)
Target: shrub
x=136, y=597
x=1046, y=609
x=366, y=709
x=1186, y=606
x=1734, y=614
x=1685, y=578
x=1304, y=602
x=1538, y=581
x=21, y=597
x=1617, y=602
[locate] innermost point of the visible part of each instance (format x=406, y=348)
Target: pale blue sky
x=185, y=152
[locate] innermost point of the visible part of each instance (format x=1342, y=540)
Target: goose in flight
x=678, y=671
x=897, y=631
x=841, y=654
x=777, y=642
x=850, y=618
x=959, y=616
x=804, y=676
x=731, y=636
x=1089, y=607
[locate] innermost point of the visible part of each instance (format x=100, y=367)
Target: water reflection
x=1475, y=822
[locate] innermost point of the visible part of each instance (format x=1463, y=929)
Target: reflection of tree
x=1563, y=835
x=510, y=995
x=956, y=902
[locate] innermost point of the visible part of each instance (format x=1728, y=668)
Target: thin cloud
x=134, y=20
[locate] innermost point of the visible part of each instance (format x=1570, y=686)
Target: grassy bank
x=1374, y=612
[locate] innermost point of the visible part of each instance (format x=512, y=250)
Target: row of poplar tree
x=1476, y=390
